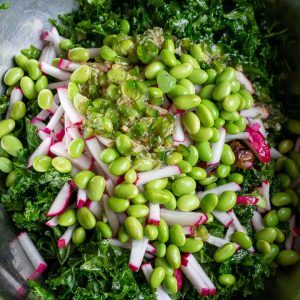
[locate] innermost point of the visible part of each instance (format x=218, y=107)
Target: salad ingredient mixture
x=140, y=164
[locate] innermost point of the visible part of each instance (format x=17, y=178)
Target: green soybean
x=156, y=277
x=160, y=248
x=219, y=123
x=284, y=214
x=123, y=144
x=122, y=234
x=287, y=257
x=183, y=186
x=173, y=256
x=280, y=236
x=82, y=178
x=170, y=284
x=11, y=145
x=231, y=103
x=157, y=196
x=235, y=87
x=67, y=218
x=151, y=232
x=186, y=58
x=204, y=150
x=169, y=45
x=263, y=246
x=33, y=69
x=61, y=164
x=188, y=203
x=6, y=165
x=139, y=199
x=81, y=74
x=41, y=83
x=227, y=279
x=227, y=200
x=13, y=76
x=185, y=167
x=163, y=231
x=143, y=164
x=134, y=228
x=285, y=146
x=291, y=168
x=41, y=163
x=227, y=157
x=294, y=126
x=11, y=179
x=174, y=158
x=187, y=101
x=105, y=229
x=157, y=184
x=209, y=202
x=138, y=210
x=197, y=76
x=207, y=91
x=204, y=134
x=177, y=236
x=271, y=219
x=126, y=190
x=168, y=57
x=242, y=239
x=28, y=88
x=267, y=234
x=76, y=148
x=66, y=44
x=86, y=218
x=181, y=71
x=293, y=195
x=281, y=199
x=222, y=90
x=165, y=81
x=109, y=154
x=192, y=245
x=189, y=86
x=79, y=236
x=152, y=70
x=205, y=116
x=270, y=256
x=223, y=171
x=230, y=116
x=45, y=99
x=248, y=98
x=172, y=204
x=224, y=252
x=21, y=60
x=95, y=188
x=191, y=122
x=177, y=91
x=79, y=54
x=119, y=166
x=18, y=110
x=118, y=205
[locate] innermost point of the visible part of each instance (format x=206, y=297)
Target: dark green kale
x=32, y=52
x=4, y=102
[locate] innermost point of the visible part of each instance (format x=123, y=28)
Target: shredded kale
x=4, y=102
x=5, y=5
x=32, y=52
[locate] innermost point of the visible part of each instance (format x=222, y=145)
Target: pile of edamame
x=124, y=95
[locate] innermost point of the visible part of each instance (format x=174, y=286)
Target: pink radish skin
x=154, y=214
x=42, y=149
x=111, y=216
x=247, y=200
x=183, y=218
x=188, y=230
x=16, y=95
x=259, y=124
x=81, y=198
x=242, y=79
x=231, y=186
x=31, y=251
x=67, y=65
x=60, y=84
x=223, y=218
x=52, y=222
x=65, y=239
x=53, y=108
x=169, y=171
x=54, y=72
x=179, y=277
x=43, y=135
x=61, y=201
x=174, y=110
x=217, y=148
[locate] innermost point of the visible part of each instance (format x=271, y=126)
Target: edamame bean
x=161, y=262
x=222, y=90
x=235, y=87
x=177, y=236
x=242, y=239
x=66, y=44
x=123, y=144
x=271, y=219
x=139, y=199
x=202, y=232
x=155, y=92
x=152, y=70
x=210, y=186
x=108, y=155
x=270, y=256
x=228, y=74
x=169, y=45
x=192, y=245
x=41, y=163
x=119, y=166
x=134, y=228
x=285, y=180
x=118, y=205
x=11, y=179
x=197, y=52
x=227, y=279
x=197, y=173
x=6, y=165
x=186, y=58
x=18, y=110
x=209, y=180
x=76, y=148
x=151, y=232
x=67, y=218
x=126, y=190
x=130, y=176
x=204, y=150
x=185, y=167
x=191, y=122
x=187, y=101
x=224, y=252
x=21, y=60
x=209, y=202
x=212, y=75
x=157, y=184
x=95, y=188
x=172, y=204
x=193, y=156
x=236, y=177
x=82, y=178
x=41, y=83
x=45, y=99
x=181, y=71
x=73, y=90
x=122, y=234
x=174, y=158
x=11, y=145
x=160, y=248
x=227, y=157
x=205, y=116
x=183, y=186
x=156, y=277
x=267, y=234
x=28, y=88
x=294, y=126
x=207, y=91
x=80, y=54
x=263, y=246
x=291, y=168
x=204, y=134
x=86, y=218
x=197, y=76
x=223, y=171
x=281, y=199
x=219, y=123
x=170, y=284
x=284, y=214
x=173, y=256
x=188, y=203
x=285, y=146
x=33, y=69
x=163, y=231
x=241, y=123
x=294, y=196
x=125, y=26
x=81, y=74
x=13, y=76
x=280, y=236
x=177, y=91
x=231, y=103
x=227, y=201
x=165, y=81
x=138, y=210
x=105, y=229
x=189, y=86
x=143, y=164
x=61, y=164
x=78, y=236
x=230, y=116
x=168, y=58
x=231, y=128
x=248, y=98
x=157, y=196
x=287, y=257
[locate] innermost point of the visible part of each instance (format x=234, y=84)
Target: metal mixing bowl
x=21, y=26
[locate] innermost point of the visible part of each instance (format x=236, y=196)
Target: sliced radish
x=96, y=150
x=137, y=253
x=68, y=106
x=229, y=232
x=238, y=136
x=95, y=208
x=117, y=243
x=255, y=112
x=54, y=72
x=67, y=65
x=160, y=292
x=65, y=239
x=110, y=186
x=223, y=217
x=257, y=221
x=81, y=198
x=37, y=123
x=73, y=132
x=258, y=123
x=105, y=141
x=121, y=217
x=289, y=240
x=54, y=120
x=297, y=145
x=16, y=95
x=43, y=53
x=183, y=218
x=188, y=230
x=111, y=216
x=275, y=154
x=168, y=171
x=174, y=110
x=56, y=39
x=217, y=148
x=68, y=137
x=53, y=107
x=50, y=54
x=216, y=241
x=238, y=226
x=178, y=135
x=247, y=200
x=231, y=186
x=154, y=214
x=55, y=85
x=31, y=251
x=52, y=222
x=266, y=193
x=162, y=111
x=242, y=79
x=93, y=52
x=61, y=201
x=42, y=149
x=43, y=115
x=9, y=282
